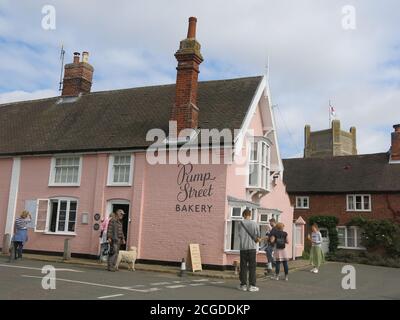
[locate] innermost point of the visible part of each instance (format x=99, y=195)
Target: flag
x=332, y=111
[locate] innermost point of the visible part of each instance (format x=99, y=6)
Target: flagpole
x=329, y=114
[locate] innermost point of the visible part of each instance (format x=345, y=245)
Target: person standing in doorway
x=249, y=235
x=316, y=253
x=21, y=232
x=280, y=239
x=115, y=238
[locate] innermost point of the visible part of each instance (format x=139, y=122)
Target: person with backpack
x=280, y=239
x=249, y=235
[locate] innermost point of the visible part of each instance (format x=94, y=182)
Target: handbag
x=248, y=232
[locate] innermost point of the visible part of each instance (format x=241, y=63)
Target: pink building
x=73, y=159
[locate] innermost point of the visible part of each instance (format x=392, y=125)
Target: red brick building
x=346, y=187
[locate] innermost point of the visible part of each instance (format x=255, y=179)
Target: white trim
x=239, y=139
x=37, y=215
x=362, y=202
x=52, y=171
x=357, y=230
x=13, y=196
x=110, y=174
x=49, y=211
x=60, y=233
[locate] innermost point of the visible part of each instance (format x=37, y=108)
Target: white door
x=325, y=240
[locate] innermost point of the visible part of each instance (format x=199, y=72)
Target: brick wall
x=383, y=206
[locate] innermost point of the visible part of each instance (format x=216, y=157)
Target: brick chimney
x=395, y=149
x=77, y=76
x=185, y=111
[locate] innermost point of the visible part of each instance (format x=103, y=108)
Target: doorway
x=115, y=205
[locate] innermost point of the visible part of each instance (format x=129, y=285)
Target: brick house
x=346, y=186
x=73, y=159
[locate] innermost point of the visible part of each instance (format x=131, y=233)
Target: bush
x=380, y=236
x=329, y=222
x=363, y=257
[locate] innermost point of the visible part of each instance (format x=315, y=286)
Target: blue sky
x=313, y=59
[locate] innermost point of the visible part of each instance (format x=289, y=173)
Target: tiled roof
x=115, y=120
x=360, y=173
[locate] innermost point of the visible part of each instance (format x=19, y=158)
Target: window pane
x=254, y=175
x=366, y=203
x=72, y=216
x=235, y=241
x=350, y=200
x=236, y=212
x=341, y=236
x=358, y=203
x=305, y=202
x=53, y=217
x=351, y=237
x=62, y=215
x=298, y=202
x=254, y=150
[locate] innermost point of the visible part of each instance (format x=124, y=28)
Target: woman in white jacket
x=316, y=253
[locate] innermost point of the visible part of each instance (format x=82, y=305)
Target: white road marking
x=196, y=284
x=159, y=283
x=95, y=284
x=217, y=282
x=177, y=281
x=176, y=286
x=40, y=269
x=200, y=280
x=112, y=296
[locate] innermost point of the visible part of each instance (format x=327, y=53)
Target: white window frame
x=110, y=178
x=52, y=176
x=261, y=164
x=353, y=196
x=357, y=230
x=48, y=215
x=302, y=198
x=228, y=224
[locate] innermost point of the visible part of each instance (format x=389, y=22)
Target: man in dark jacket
x=115, y=236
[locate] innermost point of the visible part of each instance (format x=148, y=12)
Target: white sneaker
x=315, y=270
x=253, y=289
x=275, y=277
x=286, y=278
x=242, y=288
x=312, y=270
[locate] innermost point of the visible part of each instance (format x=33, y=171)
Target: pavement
x=226, y=274
x=24, y=279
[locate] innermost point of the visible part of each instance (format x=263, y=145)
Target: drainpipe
x=294, y=241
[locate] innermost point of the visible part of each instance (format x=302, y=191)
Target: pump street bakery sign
x=194, y=186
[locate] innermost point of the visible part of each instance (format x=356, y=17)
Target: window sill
x=351, y=248
x=64, y=185
x=302, y=208
x=358, y=210
x=60, y=233
x=119, y=184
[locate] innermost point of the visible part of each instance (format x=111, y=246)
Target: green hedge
x=329, y=222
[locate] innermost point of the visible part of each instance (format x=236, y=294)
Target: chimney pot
x=192, y=28
x=396, y=127
x=76, y=57
x=85, y=56
x=395, y=148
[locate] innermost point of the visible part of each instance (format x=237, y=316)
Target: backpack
x=280, y=241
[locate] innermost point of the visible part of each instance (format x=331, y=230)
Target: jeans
x=269, y=253
x=18, y=246
x=248, y=265
x=112, y=259
x=278, y=267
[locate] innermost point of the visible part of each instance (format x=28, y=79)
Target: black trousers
x=248, y=265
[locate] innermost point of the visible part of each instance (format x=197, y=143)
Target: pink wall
x=5, y=178
x=166, y=233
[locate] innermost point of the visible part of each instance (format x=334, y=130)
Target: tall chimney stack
x=395, y=148
x=185, y=111
x=78, y=76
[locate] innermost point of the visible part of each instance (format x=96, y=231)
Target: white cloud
x=312, y=58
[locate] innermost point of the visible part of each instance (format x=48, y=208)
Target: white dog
x=128, y=257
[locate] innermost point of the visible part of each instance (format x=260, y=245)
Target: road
x=23, y=280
